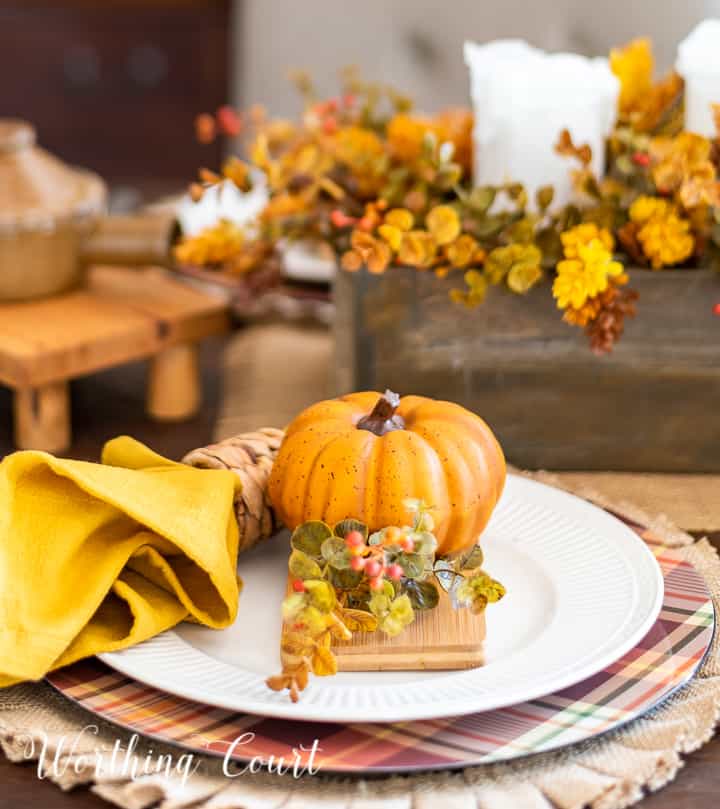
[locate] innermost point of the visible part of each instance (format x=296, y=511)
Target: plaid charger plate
x=664, y=660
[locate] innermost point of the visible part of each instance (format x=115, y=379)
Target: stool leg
x=42, y=417
x=174, y=384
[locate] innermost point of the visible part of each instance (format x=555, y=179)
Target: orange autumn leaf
x=566, y=147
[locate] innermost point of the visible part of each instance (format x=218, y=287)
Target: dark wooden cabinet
x=115, y=86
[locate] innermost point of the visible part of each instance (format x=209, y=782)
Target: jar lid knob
x=15, y=134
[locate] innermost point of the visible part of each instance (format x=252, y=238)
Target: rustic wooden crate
x=652, y=405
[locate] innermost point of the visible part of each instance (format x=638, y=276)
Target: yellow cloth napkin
x=97, y=557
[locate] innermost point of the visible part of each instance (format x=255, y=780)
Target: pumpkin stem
x=383, y=418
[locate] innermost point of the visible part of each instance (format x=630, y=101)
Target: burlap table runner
x=610, y=772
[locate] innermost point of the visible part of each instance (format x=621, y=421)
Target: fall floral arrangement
x=345, y=580
x=386, y=187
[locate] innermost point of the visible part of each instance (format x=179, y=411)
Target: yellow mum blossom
x=362, y=151
x=418, y=249
x=584, y=234
x=213, y=245
x=633, y=65
x=666, y=240
x=356, y=145
x=405, y=135
x=400, y=218
x=585, y=276
x=443, y=223
x=646, y=208
x=664, y=236
x=593, y=306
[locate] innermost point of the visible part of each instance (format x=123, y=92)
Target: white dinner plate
x=582, y=590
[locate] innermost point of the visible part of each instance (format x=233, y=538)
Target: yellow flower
x=397, y=221
x=400, y=218
x=664, y=236
x=405, y=135
x=214, y=245
x=583, y=234
x=464, y=251
x=593, y=306
x=418, y=249
x=362, y=151
x=392, y=235
x=356, y=145
x=633, y=65
x=646, y=208
x=666, y=240
x=585, y=276
x=443, y=223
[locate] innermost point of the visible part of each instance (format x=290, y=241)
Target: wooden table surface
x=113, y=402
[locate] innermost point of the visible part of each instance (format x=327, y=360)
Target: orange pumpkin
x=363, y=454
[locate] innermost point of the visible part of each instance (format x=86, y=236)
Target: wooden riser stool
x=120, y=315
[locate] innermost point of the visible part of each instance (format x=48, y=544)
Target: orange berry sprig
x=373, y=559
x=226, y=121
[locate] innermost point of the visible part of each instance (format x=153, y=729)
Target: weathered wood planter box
x=651, y=405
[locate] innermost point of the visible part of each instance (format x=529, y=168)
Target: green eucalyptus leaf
x=425, y=543
x=309, y=537
x=302, y=566
x=379, y=604
x=321, y=594
x=472, y=559
x=341, y=560
x=482, y=198
x=376, y=538
x=544, y=196
x=413, y=564
x=344, y=527
x=332, y=546
x=399, y=614
x=342, y=579
x=423, y=595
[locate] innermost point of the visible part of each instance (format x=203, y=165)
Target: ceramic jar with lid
x=46, y=210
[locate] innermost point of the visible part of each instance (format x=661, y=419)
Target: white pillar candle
x=698, y=62
x=523, y=98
